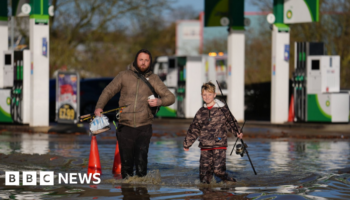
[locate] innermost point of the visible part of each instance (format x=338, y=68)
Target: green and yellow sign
x=3, y=11
x=224, y=13
x=40, y=11
x=300, y=11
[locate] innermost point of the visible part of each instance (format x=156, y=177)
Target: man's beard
x=143, y=68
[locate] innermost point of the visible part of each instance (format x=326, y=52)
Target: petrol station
x=302, y=158
x=314, y=87
x=316, y=80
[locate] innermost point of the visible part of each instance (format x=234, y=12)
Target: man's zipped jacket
x=211, y=126
x=134, y=92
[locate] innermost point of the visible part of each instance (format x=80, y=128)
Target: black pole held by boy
x=244, y=146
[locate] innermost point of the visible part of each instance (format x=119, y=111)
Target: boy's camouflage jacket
x=212, y=133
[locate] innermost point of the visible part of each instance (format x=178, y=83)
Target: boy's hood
x=218, y=104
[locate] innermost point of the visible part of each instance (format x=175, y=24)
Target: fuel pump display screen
x=8, y=59
x=315, y=65
x=171, y=63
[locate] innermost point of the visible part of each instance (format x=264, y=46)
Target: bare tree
x=263, y=5
x=89, y=25
x=215, y=45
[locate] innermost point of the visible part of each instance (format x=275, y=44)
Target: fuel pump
x=316, y=82
x=24, y=75
x=174, y=72
x=17, y=89
x=299, y=81
x=15, y=96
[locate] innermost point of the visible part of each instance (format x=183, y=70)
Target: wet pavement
x=287, y=167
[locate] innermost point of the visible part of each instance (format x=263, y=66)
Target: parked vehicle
x=90, y=91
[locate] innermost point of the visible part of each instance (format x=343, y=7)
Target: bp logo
x=8, y=101
x=289, y=14
x=328, y=103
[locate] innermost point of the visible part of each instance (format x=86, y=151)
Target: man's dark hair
x=150, y=57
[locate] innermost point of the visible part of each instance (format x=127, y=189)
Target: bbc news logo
x=48, y=178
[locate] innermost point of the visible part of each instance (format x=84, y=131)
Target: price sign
x=67, y=112
x=67, y=97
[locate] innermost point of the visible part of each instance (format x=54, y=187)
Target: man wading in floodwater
x=135, y=123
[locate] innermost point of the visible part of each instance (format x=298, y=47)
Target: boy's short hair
x=209, y=87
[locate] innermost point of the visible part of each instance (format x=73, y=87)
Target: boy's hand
x=240, y=135
x=186, y=149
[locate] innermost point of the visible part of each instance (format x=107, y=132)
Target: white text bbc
x=48, y=177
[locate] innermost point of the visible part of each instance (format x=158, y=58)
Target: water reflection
x=135, y=192
x=191, y=157
x=210, y=193
x=279, y=155
x=13, y=194
x=283, y=165
x=328, y=154
x=267, y=155
x=34, y=143
x=5, y=144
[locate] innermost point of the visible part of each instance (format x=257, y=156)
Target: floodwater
x=286, y=168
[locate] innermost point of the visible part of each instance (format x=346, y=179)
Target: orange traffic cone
x=117, y=166
x=291, y=110
x=94, y=160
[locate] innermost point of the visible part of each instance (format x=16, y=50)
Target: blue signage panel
x=44, y=48
x=286, y=52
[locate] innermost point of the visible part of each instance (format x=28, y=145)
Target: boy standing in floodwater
x=211, y=124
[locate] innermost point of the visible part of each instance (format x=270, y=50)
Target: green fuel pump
x=316, y=82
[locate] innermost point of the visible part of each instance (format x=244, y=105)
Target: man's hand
x=186, y=149
x=98, y=112
x=154, y=102
x=240, y=135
